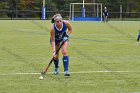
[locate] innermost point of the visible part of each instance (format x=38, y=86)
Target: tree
x=26, y=4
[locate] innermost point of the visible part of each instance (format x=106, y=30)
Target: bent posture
x=59, y=31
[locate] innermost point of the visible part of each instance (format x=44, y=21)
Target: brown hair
x=52, y=20
x=54, y=17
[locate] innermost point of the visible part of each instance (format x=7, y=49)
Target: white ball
x=41, y=77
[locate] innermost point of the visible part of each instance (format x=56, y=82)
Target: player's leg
x=138, y=37
x=107, y=18
x=103, y=18
x=65, y=59
x=56, y=61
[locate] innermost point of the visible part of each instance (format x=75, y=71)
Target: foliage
x=53, y=5
x=26, y=4
x=63, y=5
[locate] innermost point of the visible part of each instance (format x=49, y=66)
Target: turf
x=104, y=58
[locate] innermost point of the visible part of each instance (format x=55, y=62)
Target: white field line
x=19, y=29
x=82, y=72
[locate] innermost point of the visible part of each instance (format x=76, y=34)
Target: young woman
x=60, y=30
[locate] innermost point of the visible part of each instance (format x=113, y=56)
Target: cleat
x=56, y=71
x=66, y=73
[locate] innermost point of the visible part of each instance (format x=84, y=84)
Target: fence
x=31, y=9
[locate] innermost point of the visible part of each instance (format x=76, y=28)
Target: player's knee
x=64, y=52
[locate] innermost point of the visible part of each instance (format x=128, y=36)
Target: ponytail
x=52, y=20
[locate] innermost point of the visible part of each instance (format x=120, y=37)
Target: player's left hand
x=65, y=37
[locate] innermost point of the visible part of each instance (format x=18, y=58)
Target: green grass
x=94, y=47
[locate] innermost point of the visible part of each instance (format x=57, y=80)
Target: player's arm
x=69, y=27
x=52, y=34
x=103, y=13
x=107, y=13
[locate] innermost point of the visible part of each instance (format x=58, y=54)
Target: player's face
x=58, y=22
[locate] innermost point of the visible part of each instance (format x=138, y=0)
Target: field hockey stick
x=52, y=59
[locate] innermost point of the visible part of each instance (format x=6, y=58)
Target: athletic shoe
x=66, y=73
x=56, y=71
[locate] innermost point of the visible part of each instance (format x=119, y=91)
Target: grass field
x=104, y=58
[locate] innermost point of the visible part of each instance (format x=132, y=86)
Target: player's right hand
x=54, y=53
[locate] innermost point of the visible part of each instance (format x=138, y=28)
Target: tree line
x=128, y=5
x=63, y=5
